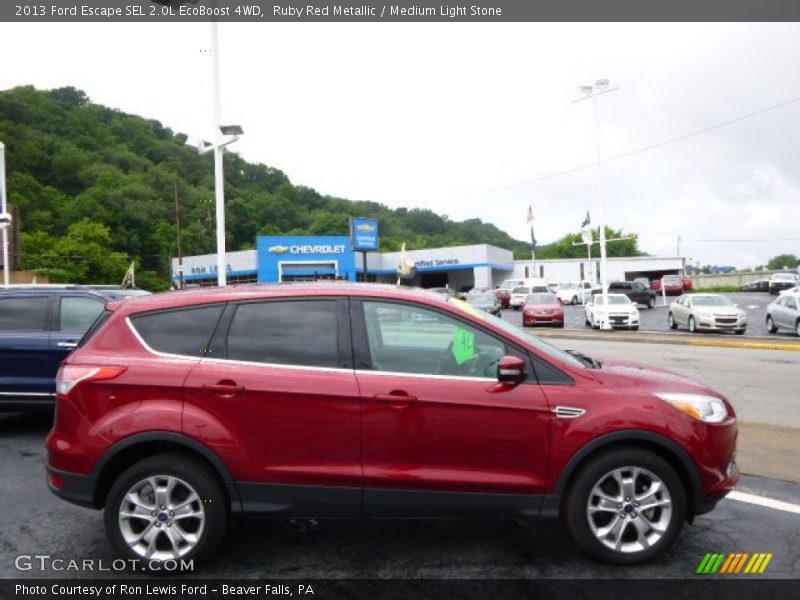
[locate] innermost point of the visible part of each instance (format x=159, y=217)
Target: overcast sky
x=428, y=115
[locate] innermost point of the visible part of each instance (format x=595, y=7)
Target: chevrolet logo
x=366, y=227
x=278, y=249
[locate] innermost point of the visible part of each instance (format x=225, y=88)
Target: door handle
x=224, y=390
x=67, y=344
x=396, y=398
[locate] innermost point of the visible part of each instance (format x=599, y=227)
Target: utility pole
x=180, y=244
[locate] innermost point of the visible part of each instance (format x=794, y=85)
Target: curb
x=678, y=339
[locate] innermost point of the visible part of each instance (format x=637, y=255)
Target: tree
x=783, y=261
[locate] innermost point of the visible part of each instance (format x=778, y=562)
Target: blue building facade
x=288, y=258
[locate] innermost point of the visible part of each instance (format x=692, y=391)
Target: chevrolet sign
x=366, y=227
x=321, y=249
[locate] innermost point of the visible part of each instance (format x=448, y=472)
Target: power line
x=640, y=150
x=750, y=240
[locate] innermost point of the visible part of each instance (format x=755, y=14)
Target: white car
x=712, y=312
x=792, y=290
x=518, y=296
x=574, y=293
x=620, y=313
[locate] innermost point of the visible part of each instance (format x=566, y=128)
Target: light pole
x=223, y=136
x=5, y=217
x=593, y=92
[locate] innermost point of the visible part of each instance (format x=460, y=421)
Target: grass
x=718, y=289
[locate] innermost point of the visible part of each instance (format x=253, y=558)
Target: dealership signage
x=203, y=269
x=436, y=262
x=364, y=234
x=308, y=249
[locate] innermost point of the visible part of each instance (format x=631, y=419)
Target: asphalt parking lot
x=755, y=304
x=36, y=522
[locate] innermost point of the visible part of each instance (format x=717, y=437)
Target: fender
x=181, y=440
x=694, y=493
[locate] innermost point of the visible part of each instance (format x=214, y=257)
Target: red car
x=674, y=285
x=542, y=309
x=180, y=411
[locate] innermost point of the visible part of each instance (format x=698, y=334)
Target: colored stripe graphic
x=730, y=564
x=765, y=563
x=726, y=567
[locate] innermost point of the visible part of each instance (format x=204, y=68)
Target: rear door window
x=184, y=331
x=78, y=314
x=24, y=313
x=303, y=333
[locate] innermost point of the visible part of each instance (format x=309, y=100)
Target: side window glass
x=410, y=339
x=791, y=302
x=78, y=314
x=23, y=313
x=301, y=333
x=184, y=331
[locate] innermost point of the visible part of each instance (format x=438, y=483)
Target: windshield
x=481, y=298
x=783, y=277
x=567, y=286
x=542, y=299
x=672, y=279
x=509, y=284
x=711, y=301
x=612, y=300
x=515, y=333
x=521, y=290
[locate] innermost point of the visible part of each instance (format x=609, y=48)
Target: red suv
x=180, y=411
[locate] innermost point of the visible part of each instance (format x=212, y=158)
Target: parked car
x=782, y=281
x=635, y=290
x=574, y=293
x=791, y=290
x=674, y=285
x=503, y=293
x=39, y=326
x=620, y=313
x=518, y=296
x=710, y=312
x=444, y=291
x=542, y=309
x=485, y=301
x=182, y=410
x=784, y=313
x=762, y=285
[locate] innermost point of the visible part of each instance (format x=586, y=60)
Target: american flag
x=529, y=218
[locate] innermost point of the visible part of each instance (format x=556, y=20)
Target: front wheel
x=166, y=507
x=574, y=300
x=692, y=325
x=626, y=506
x=671, y=321
x=771, y=324
x=651, y=303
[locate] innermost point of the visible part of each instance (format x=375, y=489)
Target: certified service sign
x=364, y=233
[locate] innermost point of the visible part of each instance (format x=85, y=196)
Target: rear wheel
x=797, y=328
x=771, y=324
x=166, y=507
x=626, y=506
x=651, y=303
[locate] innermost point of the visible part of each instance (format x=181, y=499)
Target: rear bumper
x=72, y=487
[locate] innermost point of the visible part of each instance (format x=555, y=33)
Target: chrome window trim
x=37, y=394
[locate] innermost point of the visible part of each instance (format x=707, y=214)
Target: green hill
x=95, y=187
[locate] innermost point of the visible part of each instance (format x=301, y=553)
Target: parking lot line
x=764, y=501
x=751, y=345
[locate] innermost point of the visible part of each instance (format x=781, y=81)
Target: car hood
x=718, y=310
x=542, y=307
x=652, y=378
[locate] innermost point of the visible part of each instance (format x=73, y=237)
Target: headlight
x=704, y=408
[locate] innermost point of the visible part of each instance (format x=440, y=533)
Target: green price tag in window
x=463, y=345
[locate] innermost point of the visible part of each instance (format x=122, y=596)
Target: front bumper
x=533, y=320
x=714, y=324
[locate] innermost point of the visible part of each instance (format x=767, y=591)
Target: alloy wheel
x=629, y=509
x=161, y=517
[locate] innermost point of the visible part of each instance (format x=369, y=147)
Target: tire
x=692, y=326
x=651, y=303
x=588, y=324
x=647, y=469
x=574, y=300
x=740, y=332
x=635, y=328
x=797, y=328
x=188, y=475
x=671, y=321
x=771, y=325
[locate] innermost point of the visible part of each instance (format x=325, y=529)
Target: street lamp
x=593, y=92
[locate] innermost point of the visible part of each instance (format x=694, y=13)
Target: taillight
x=71, y=375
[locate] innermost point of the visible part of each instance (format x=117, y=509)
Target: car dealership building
x=307, y=258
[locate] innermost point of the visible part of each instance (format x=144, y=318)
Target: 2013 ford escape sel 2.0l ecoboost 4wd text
x=180, y=411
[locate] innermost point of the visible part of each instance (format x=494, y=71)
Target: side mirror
x=511, y=369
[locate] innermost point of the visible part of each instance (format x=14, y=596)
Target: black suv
x=39, y=326
x=635, y=290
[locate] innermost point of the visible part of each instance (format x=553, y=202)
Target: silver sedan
x=710, y=312
x=784, y=313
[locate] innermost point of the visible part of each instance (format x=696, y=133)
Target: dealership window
x=286, y=333
x=527, y=276
x=541, y=270
x=246, y=278
x=185, y=331
x=78, y=314
x=23, y=314
x=409, y=339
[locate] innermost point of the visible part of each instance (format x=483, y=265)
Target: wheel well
x=139, y=451
x=658, y=449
